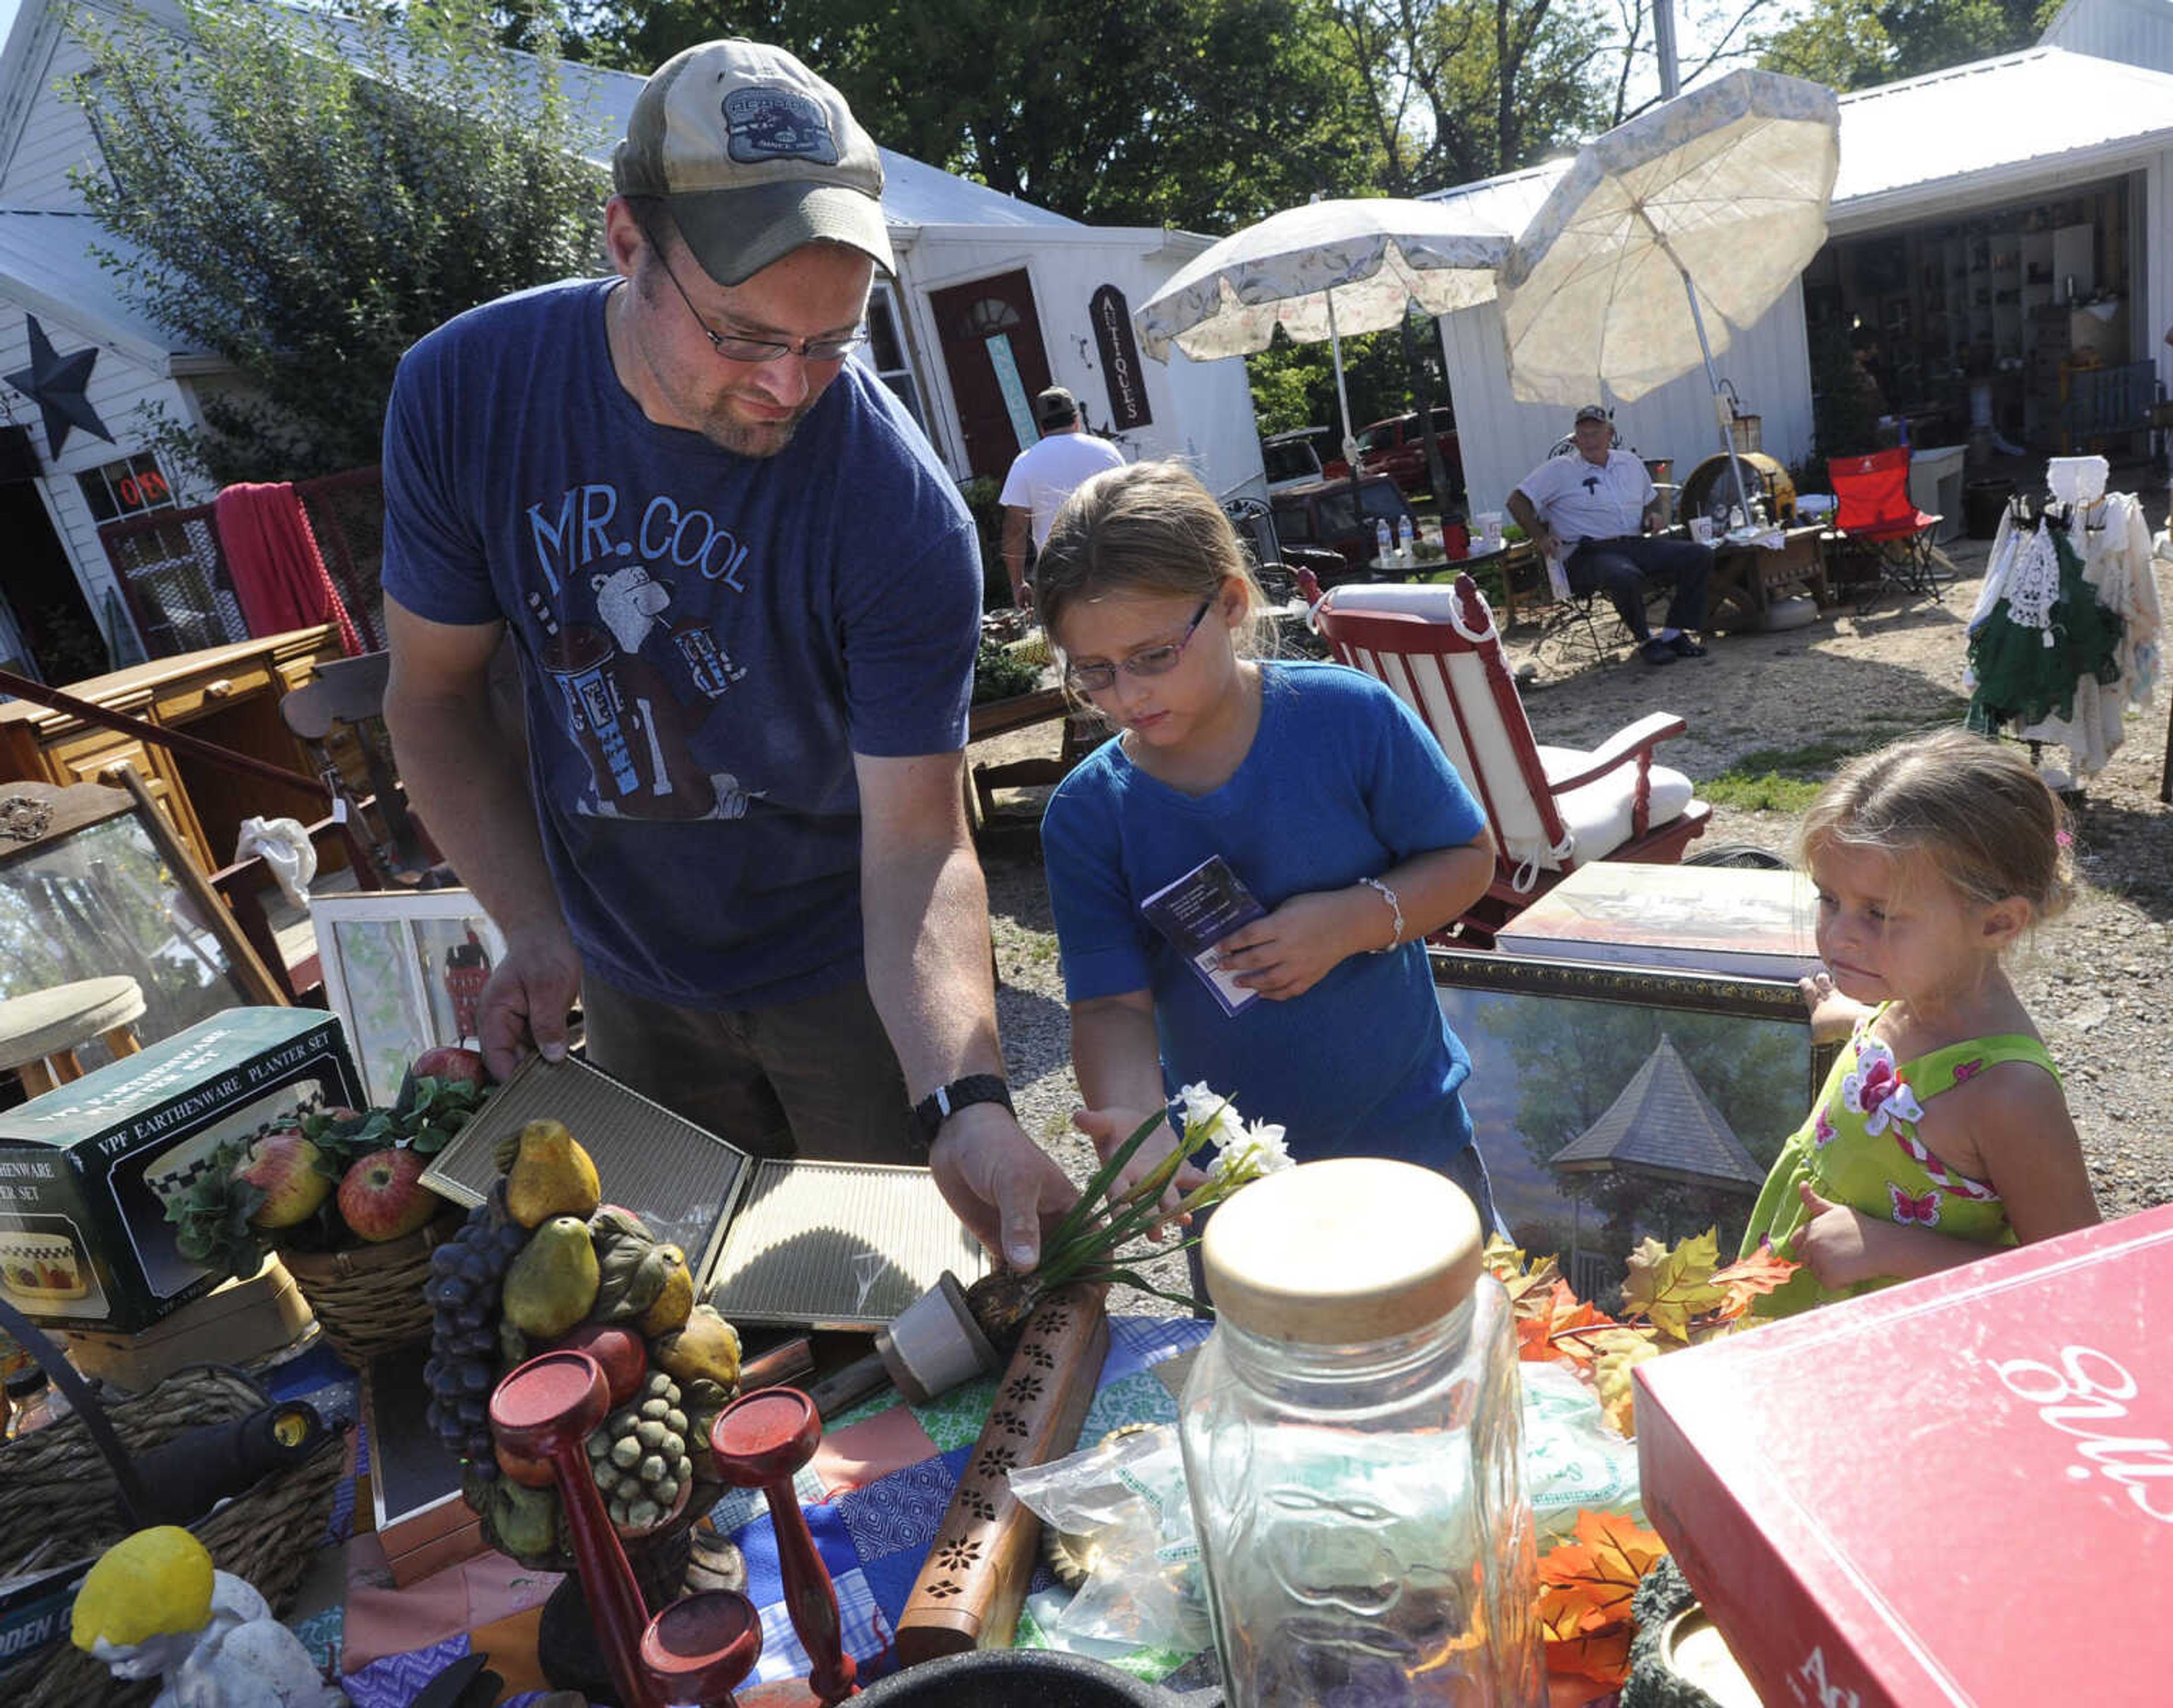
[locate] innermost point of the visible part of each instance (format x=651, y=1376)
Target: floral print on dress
x=1822, y=1130
x=1922, y=1212
x=1875, y=1089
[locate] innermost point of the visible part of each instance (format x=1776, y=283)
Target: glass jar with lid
x=1352, y=1446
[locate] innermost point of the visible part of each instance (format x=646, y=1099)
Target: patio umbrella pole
x=1342, y=397
x=1713, y=380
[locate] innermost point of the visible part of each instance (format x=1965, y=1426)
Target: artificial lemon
x=154, y=1583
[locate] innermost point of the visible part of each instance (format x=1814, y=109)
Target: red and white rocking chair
x=1552, y=808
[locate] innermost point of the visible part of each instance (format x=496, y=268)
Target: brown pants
x=813, y=1079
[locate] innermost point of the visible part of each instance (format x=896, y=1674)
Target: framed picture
x=1611, y=1103
x=94, y=882
x=404, y=970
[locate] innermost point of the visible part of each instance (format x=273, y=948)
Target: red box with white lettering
x=1958, y=1490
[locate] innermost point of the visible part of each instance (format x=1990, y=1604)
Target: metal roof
x=1663, y=1124
x=2022, y=115
x=46, y=268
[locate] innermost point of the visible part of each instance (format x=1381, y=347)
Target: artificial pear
x=550, y=1176
x=552, y=1281
x=707, y=1349
x=675, y=1301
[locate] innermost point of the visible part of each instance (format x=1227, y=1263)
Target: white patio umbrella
x=1719, y=195
x=1319, y=272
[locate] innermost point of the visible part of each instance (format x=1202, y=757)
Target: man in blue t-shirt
x=744, y=596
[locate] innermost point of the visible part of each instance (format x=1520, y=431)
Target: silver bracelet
x=1396, y=937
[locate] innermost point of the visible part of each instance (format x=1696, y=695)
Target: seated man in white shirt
x=1596, y=511
x=1044, y=475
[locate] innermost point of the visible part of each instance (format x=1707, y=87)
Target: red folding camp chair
x=1877, y=525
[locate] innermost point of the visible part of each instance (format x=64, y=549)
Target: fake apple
x=383, y=1197
x=284, y=1166
x=448, y=1062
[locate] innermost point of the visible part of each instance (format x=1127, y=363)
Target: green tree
x=1204, y=114
x=304, y=197
x=1460, y=89
x=1854, y=44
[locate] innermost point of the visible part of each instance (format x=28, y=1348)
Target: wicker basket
x=369, y=1299
x=55, y=1483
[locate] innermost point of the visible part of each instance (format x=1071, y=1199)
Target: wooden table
x=1000, y=717
x=226, y=694
x=1747, y=578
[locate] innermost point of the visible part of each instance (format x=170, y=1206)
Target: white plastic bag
x=1126, y=1499
x=1573, y=1462
x=285, y=847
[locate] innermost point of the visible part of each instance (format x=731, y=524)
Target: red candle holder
x=695, y=1650
x=760, y=1441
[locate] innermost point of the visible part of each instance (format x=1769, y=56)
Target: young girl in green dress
x=1942, y=1130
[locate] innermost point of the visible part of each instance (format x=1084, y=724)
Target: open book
x=801, y=1244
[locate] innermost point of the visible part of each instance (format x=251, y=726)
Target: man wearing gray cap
x=1043, y=475
x=1595, y=513
x=744, y=596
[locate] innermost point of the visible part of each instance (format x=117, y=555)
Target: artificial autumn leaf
x=1616, y=1353
x=1669, y=1287
x=1603, y=1564
x=1586, y=1588
x=1519, y=1277
x=1602, y=1655
x=1746, y=1279
x=1548, y=1328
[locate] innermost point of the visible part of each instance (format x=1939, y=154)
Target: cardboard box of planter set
x=88, y=1170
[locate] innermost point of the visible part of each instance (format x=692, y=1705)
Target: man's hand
x=523, y=1010
x=1022, y=594
x=1002, y=1185
x=1290, y=951
x=1837, y=1244
x=1546, y=540
x=1109, y=1129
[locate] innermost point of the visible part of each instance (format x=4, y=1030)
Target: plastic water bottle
x=1404, y=538
x=1380, y=537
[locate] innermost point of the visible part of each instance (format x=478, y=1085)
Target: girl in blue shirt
x=1328, y=798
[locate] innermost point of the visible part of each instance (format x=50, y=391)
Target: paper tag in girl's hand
x=1197, y=912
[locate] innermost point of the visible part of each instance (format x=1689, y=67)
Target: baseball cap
x=1591, y=412
x=1054, y=406
x=756, y=155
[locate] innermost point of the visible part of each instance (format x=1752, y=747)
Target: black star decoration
x=57, y=384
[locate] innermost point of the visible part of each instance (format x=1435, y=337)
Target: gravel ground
x=2099, y=981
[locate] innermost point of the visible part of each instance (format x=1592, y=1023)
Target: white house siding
x=1502, y=440
x=1200, y=411
x=119, y=389
x=54, y=136
x=2136, y=32
x=2152, y=217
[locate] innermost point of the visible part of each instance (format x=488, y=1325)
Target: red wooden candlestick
x=759, y=1441
x=545, y=1410
x=697, y=1648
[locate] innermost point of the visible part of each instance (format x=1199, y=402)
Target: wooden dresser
x=226, y=694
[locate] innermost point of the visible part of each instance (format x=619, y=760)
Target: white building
x=2023, y=179
x=994, y=299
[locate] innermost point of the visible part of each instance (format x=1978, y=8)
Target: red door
x=992, y=350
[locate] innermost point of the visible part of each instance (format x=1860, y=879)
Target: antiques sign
x=1120, y=358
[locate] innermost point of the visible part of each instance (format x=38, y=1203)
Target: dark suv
x=1331, y=515
x=1396, y=448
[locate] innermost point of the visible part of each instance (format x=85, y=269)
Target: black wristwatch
x=930, y=1112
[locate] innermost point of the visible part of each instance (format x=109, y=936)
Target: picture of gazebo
x=1664, y=1126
